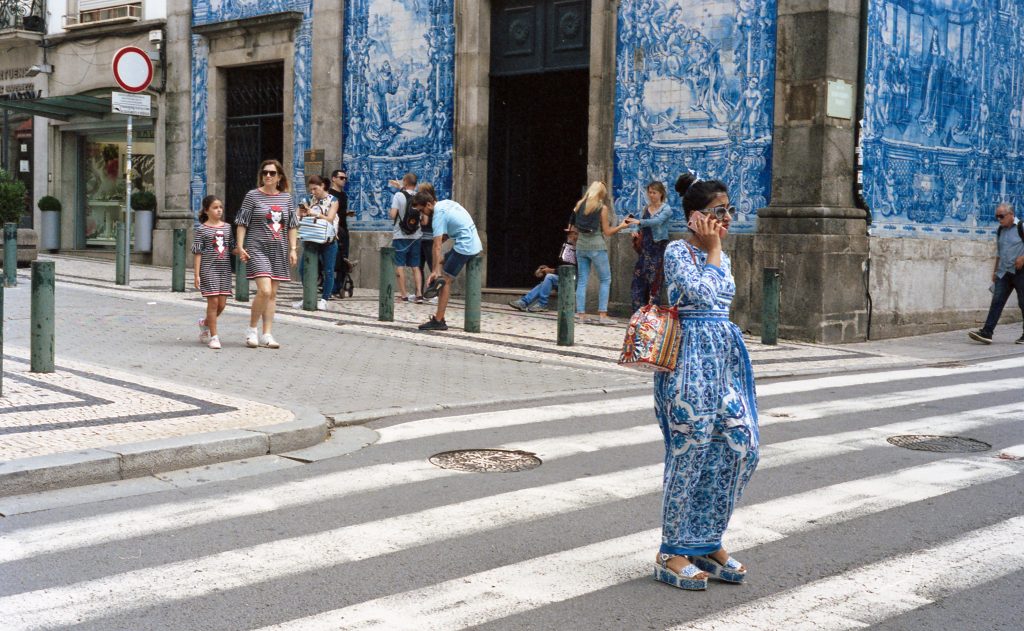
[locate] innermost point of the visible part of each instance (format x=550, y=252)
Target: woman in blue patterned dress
x=707, y=407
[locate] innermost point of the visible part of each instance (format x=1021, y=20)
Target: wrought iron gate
x=255, y=127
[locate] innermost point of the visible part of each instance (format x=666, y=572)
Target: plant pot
x=143, y=230
x=49, y=239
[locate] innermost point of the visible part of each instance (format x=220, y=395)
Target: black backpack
x=410, y=222
x=1020, y=230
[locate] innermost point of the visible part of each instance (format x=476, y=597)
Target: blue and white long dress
x=707, y=407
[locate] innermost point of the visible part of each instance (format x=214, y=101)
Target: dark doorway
x=255, y=127
x=538, y=165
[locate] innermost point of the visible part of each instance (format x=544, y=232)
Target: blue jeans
x=599, y=258
x=327, y=253
x=542, y=291
x=1003, y=288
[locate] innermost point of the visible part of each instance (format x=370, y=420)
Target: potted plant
x=12, y=206
x=143, y=207
x=50, y=223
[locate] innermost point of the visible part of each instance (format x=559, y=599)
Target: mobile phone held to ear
x=690, y=224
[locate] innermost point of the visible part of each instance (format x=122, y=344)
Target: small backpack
x=408, y=223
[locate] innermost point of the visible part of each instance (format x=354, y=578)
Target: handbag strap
x=656, y=286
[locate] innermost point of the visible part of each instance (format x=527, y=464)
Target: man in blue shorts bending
x=449, y=220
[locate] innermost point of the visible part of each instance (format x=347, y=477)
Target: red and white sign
x=133, y=70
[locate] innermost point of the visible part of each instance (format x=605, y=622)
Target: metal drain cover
x=486, y=460
x=941, y=444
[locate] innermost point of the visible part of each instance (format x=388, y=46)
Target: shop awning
x=60, y=107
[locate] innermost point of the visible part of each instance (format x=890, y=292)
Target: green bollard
x=310, y=263
x=119, y=253
x=566, y=304
x=770, y=307
x=386, y=298
x=11, y=254
x=178, y=264
x=474, y=273
x=241, y=282
x=41, y=324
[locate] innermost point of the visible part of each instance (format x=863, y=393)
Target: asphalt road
x=840, y=529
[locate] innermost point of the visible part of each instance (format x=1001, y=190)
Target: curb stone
x=120, y=462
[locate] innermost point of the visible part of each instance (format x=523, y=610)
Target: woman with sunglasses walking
x=707, y=407
x=266, y=231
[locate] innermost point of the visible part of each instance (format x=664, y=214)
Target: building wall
x=399, y=101
x=942, y=143
x=695, y=90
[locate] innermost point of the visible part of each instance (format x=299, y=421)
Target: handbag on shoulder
x=652, y=339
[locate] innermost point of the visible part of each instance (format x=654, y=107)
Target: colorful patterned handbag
x=652, y=339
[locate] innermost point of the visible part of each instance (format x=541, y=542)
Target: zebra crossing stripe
x=514, y=589
x=424, y=428
x=857, y=599
x=789, y=414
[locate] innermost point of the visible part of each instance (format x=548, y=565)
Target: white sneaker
x=410, y=298
x=321, y=305
x=267, y=341
x=430, y=301
x=252, y=339
x=204, y=331
x=297, y=305
x=214, y=342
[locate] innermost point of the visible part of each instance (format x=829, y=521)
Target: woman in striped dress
x=267, y=233
x=707, y=407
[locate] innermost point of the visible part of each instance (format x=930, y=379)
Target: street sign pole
x=128, y=208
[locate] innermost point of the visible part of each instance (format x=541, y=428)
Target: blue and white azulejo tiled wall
x=695, y=89
x=211, y=11
x=944, y=115
x=399, y=100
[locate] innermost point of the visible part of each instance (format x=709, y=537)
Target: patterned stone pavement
x=81, y=406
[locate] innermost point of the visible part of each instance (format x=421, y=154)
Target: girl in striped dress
x=267, y=237
x=212, y=249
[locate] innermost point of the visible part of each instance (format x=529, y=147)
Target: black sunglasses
x=266, y=173
x=1000, y=216
x=720, y=212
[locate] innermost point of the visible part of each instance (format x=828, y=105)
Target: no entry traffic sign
x=133, y=70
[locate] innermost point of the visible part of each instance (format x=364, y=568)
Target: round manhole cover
x=943, y=444
x=486, y=460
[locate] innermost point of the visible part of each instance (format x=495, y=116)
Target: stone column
x=812, y=229
x=173, y=134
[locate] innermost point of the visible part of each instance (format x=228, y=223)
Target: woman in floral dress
x=707, y=407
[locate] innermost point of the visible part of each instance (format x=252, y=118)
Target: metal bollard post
x=386, y=298
x=11, y=254
x=241, y=282
x=119, y=243
x=770, y=307
x=178, y=261
x=474, y=281
x=41, y=322
x=310, y=265
x=566, y=304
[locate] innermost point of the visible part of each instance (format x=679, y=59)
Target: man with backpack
x=405, y=238
x=1008, y=274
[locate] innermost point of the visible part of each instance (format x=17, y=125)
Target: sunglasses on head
x=720, y=212
x=270, y=173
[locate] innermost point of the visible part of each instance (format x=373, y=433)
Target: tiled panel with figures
x=942, y=130
x=695, y=89
x=210, y=11
x=399, y=90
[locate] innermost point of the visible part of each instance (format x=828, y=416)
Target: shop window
x=103, y=181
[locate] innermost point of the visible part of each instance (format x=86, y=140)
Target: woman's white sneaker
x=214, y=343
x=267, y=341
x=252, y=339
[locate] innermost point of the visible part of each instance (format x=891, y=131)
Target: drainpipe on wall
x=858, y=182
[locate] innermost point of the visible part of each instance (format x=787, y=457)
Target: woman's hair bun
x=684, y=181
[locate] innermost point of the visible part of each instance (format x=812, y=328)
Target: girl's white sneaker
x=267, y=340
x=215, y=342
x=252, y=340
